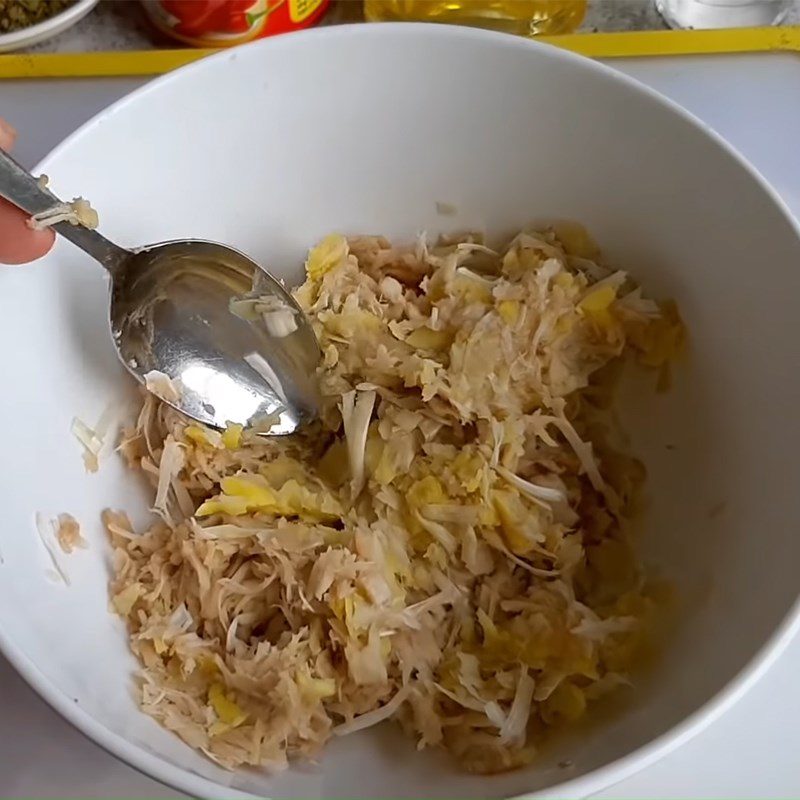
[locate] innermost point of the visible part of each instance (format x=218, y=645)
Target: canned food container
x=224, y=23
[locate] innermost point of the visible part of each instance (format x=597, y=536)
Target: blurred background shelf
x=122, y=25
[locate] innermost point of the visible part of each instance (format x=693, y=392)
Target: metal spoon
x=170, y=313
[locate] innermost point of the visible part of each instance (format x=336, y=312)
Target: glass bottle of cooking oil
x=526, y=17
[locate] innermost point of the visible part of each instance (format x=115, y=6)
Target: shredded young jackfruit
x=76, y=212
x=68, y=533
x=447, y=547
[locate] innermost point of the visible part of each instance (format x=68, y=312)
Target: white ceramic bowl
x=47, y=29
x=364, y=129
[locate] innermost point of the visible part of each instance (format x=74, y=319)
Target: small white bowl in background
x=47, y=29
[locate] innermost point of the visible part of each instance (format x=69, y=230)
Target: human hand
x=18, y=243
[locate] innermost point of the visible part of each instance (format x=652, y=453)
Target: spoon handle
x=21, y=189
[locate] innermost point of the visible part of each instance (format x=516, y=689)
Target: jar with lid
x=526, y=17
x=224, y=23
x=723, y=13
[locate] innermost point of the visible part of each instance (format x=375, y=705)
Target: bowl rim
x=596, y=780
x=44, y=29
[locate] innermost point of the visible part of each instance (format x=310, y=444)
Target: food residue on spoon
x=76, y=212
x=279, y=318
x=162, y=386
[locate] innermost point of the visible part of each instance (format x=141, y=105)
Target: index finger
x=18, y=243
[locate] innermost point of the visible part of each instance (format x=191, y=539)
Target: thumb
x=18, y=243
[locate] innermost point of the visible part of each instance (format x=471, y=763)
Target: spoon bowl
x=170, y=314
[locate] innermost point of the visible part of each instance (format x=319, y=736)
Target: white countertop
x=752, y=751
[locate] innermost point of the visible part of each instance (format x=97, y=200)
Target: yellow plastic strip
x=679, y=43
x=96, y=65
x=595, y=45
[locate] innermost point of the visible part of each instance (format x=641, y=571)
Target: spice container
x=224, y=23
x=19, y=14
x=722, y=13
x=526, y=17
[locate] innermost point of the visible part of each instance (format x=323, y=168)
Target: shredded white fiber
x=46, y=529
x=76, y=212
x=92, y=444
